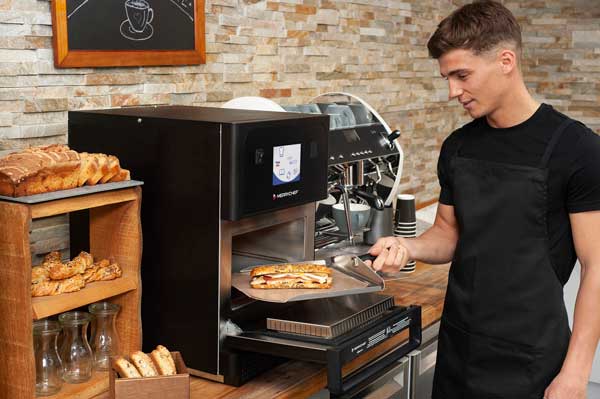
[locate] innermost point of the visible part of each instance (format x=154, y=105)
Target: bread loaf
x=56, y=167
x=39, y=170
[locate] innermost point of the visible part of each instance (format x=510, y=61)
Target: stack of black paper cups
x=405, y=223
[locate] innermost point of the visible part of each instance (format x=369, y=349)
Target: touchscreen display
x=286, y=164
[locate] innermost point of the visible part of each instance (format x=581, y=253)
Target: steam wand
x=344, y=188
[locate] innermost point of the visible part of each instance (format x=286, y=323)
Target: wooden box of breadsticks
x=158, y=375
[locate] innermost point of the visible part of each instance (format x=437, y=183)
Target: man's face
x=476, y=81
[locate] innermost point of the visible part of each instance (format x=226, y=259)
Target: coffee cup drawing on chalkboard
x=137, y=25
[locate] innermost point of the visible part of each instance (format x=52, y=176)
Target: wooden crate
x=115, y=232
x=161, y=387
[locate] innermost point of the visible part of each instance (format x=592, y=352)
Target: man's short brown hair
x=479, y=27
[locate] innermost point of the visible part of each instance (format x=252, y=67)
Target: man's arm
x=435, y=246
x=572, y=380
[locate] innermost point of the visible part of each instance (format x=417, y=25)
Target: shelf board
x=50, y=305
x=60, y=206
x=97, y=385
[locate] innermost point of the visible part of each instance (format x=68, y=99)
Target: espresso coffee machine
x=225, y=190
x=364, y=166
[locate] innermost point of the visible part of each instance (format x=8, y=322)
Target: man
x=519, y=202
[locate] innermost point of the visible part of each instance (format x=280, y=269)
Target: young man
x=519, y=202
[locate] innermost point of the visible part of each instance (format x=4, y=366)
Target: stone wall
x=293, y=50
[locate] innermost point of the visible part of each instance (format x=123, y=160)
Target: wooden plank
x=93, y=292
x=84, y=202
x=17, y=374
x=97, y=385
x=116, y=232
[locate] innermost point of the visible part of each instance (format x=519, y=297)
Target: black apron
x=504, y=331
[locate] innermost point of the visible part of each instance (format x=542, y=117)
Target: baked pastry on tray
x=55, y=167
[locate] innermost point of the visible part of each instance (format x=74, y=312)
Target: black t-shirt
x=573, y=176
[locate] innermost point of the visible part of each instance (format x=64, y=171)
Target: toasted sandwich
x=299, y=275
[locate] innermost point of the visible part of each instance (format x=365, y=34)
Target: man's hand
x=566, y=386
x=392, y=254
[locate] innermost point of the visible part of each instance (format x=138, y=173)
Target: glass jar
x=48, y=371
x=105, y=340
x=75, y=353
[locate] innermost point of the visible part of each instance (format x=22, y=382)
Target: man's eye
x=463, y=76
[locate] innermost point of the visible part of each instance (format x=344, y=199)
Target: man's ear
x=508, y=60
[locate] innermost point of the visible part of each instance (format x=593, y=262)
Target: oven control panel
x=359, y=143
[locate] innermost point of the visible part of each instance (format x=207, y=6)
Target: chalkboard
x=128, y=32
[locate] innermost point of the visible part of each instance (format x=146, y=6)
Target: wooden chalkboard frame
x=66, y=58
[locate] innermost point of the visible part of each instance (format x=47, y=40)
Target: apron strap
x=553, y=140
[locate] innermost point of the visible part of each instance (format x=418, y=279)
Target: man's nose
x=454, y=90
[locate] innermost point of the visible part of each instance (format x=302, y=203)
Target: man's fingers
x=381, y=244
x=401, y=258
x=391, y=258
x=380, y=260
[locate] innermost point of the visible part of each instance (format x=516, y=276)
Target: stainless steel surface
x=348, y=174
x=393, y=384
x=355, y=267
x=430, y=333
x=343, y=285
x=331, y=317
x=299, y=219
x=274, y=244
x=424, y=363
x=342, y=248
x=360, y=173
x=347, y=209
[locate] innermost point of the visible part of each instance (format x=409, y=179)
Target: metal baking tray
x=73, y=192
x=331, y=317
x=344, y=283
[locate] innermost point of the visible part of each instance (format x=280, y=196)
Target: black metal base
x=336, y=353
x=240, y=367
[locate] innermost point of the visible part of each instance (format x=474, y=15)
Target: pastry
x=163, y=361
x=39, y=274
x=51, y=257
x=55, y=287
x=144, y=364
x=78, y=265
x=125, y=368
x=102, y=273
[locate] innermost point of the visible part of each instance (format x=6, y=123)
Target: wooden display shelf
x=66, y=205
x=115, y=233
x=97, y=385
x=93, y=292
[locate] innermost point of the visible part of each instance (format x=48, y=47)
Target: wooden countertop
x=295, y=379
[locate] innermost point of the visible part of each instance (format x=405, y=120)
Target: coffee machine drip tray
x=331, y=317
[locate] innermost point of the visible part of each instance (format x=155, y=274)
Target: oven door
x=335, y=353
